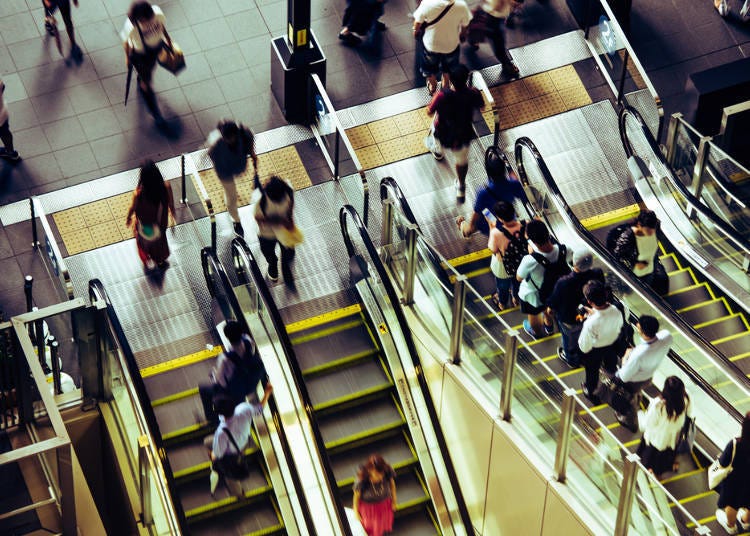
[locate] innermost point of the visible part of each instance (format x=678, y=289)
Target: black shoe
x=350, y=39
x=238, y=229
x=592, y=398
x=627, y=422
x=564, y=358
x=76, y=53
x=510, y=70
x=162, y=265
x=273, y=273
x=380, y=26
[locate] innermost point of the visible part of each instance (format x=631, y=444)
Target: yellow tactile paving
x=410, y=122
x=69, y=220
x=550, y=104
x=104, y=234
x=539, y=84
x=78, y=241
x=564, y=77
x=96, y=212
x=360, y=137
x=394, y=149
x=574, y=97
x=635, y=75
x=511, y=93
x=370, y=157
x=383, y=130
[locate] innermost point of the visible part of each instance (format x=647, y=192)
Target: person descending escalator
x=375, y=496
x=734, y=490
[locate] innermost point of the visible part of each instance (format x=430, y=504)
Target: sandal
x=460, y=222
x=431, y=86
x=496, y=300
x=675, y=467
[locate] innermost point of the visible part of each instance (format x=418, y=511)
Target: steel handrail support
x=206, y=198
x=144, y=483
x=59, y=265
x=457, y=319
x=696, y=184
x=563, y=435
x=478, y=81
x=510, y=358
x=411, y=264
x=627, y=494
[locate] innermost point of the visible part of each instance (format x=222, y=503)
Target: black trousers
x=594, y=360
x=268, y=249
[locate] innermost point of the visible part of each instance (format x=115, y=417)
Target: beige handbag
x=716, y=473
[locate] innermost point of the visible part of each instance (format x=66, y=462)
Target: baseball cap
x=583, y=259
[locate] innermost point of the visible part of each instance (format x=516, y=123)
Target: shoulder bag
x=150, y=232
x=716, y=473
x=612, y=391
x=686, y=439
x=232, y=464
x=419, y=30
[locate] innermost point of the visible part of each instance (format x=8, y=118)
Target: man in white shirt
x=640, y=363
x=600, y=331
x=8, y=152
x=444, y=23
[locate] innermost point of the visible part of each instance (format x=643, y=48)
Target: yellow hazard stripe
x=183, y=361
x=611, y=217
x=314, y=321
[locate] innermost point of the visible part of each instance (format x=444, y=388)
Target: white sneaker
x=745, y=11
x=429, y=142
x=460, y=192
x=741, y=513
x=721, y=519
x=214, y=479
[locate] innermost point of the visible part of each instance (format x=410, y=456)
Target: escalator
x=688, y=486
x=170, y=396
x=355, y=404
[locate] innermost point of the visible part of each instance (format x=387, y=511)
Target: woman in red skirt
x=375, y=496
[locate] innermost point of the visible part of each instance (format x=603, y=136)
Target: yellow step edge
x=565, y=374
x=592, y=409
x=339, y=362
x=740, y=356
x=717, y=320
x=364, y=434
x=696, y=497
x=204, y=509
x=687, y=270
x=324, y=318
x=470, y=275
x=174, y=397
x=179, y=362
x=470, y=257
x=704, y=304
x=729, y=338
x=611, y=217
x=680, y=476
x=693, y=287
x=384, y=387
x=338, y=328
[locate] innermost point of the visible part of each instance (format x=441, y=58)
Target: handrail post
x=182, y=181
x=457, y=324
x=746, y=263
x=147, y=515
x=509, y=368
x=563, y=434
x=213, y=234
x=621, y=85
x=34, y=234
x=336, y=156
x=386, y=229
x=53, y=350
x=28, y=283
x=627, y=492
x=696, y=186
x=411, y=265
x=67, y=496
x=672, y=132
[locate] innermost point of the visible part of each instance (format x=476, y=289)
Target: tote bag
x=716, y=473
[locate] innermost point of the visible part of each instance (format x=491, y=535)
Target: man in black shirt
x=564, y=301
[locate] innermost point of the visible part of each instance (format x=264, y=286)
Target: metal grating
x=644, y=102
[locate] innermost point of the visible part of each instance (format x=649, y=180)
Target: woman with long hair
x=637, y=247
x=661, y=425
x=375, y=496
x=151, y=206
x=734, y=491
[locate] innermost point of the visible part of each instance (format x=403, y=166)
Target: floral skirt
x=377, y=518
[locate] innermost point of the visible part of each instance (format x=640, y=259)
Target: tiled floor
x=71, y=125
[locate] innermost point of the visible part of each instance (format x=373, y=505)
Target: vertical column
x=298, y=23
x=627, y=492
x=563, y=434
x=67, y=489
x=696, y=186
x=509, y=368
x=411, y=264
x=672, y=131
x=457, y=325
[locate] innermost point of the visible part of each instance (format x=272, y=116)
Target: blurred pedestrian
x=360, y=17
x=144, y=36
x=661, y=425
x=734, y=490
x=8, y=151
x=453, y=126
x=636, y=246
x=441, y=26
x=488, y=20
x=274, y=213
x=152, y=204
x=509, y=245
x=50, y=6
x=375, y=496
x=229, y=145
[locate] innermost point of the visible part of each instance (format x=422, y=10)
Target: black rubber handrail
x=696, y=203
x=654, y=299
x=209, y=258
x=240, y=249
x=346, y=213
x=96, y=292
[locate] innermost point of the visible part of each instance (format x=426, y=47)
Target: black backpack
x=614, y=234
x=552, y=272
x=517, y=249
x=232, y=464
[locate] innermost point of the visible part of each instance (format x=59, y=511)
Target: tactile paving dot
x=426, y=119
x=511, y=93
x=370, y=157
x=78, y=241
x=96, y=212
x=548, y=105
x=414, y=143
x=298, y=178
x=104, y=234
x=383, y=130
x=69, y=220
x=265, y=164
x=119, y=205
x=410, y=122
x=506, y=118
x=574, y=97
x=360, y=136
x=285, y=158
x=564, y=77
x=539, y=84
x=393, y=150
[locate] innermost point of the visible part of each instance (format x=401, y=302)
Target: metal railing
x=126, y=392
x=477, y=81
x=188, y=167
x=349, y=214
x=248, y=273
x=233, y=310
x=330, y=134
x=51, y=254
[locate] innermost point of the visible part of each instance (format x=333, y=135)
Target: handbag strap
x=436, y=20
x=231, y=438
x=734, y=450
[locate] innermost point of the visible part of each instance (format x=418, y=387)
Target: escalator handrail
x=208, y=255
x=654, y=299
x=696, y=203
x=97, y=291
x=239, y=246
x=349, y=212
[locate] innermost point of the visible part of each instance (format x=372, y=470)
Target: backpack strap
x=508, y=234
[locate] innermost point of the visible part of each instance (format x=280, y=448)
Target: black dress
x=734, y=491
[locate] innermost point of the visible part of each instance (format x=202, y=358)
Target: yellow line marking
x=740, y=356
x=611, y=217
x=695, y=497
x=318, y=320
x=692, y=287
x=338, y=328
x=472, y=274
x=730, y=338
x=704, y=304
x=717, y=320
x=681, y=476
x=174, y=397
x=183, y=361
x=470, y=257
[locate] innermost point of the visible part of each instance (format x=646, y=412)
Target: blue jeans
x=569, y=334
x=506, y=288
x=433, y=63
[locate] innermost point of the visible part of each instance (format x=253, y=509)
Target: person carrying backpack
x=538, y=272
x=236, y=374
x=508, y=244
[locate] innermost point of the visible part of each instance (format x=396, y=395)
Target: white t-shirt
x=239, y=426
x=647, y=246
x=529, y=268
x=3, y=108
x=600, y=329
x=659, y=430
x=442, y=37
x=153, y=32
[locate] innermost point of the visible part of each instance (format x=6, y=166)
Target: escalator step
x=484, y=284
x=394, y=449
x=178, y=379
x=703, y=505
x=340, y=383
x=365, y=419
x=735, y=346
x=197, y=493
x=681, y=279
x=355, y=339
x=687, y=484
x=261, y=517
x=187, y=455
x=686, y=298
x=727, y=326
x=409, y=489
x=705, y=312
x=179, y=414
x=417, y=523
x=669, y=262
